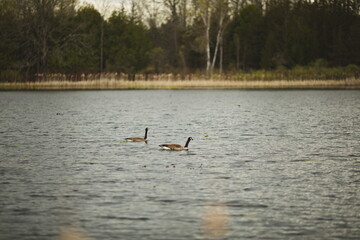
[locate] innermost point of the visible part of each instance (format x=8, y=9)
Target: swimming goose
x=138, y=139
x=176, y=147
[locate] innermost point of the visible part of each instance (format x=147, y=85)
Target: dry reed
x=112, y=84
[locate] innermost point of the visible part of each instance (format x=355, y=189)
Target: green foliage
x=288, y=38
x=294, y=33
x=10, y=76
x=311, y=72
x=245, y=37
x=158, y=60
x=10, y=43
x=127, y=44
x=82, y=52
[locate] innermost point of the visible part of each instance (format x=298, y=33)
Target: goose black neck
x=146, y=130
x=187, y=142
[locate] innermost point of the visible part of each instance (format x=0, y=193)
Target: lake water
x=262, y=165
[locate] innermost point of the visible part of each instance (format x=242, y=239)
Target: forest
x=209, y=37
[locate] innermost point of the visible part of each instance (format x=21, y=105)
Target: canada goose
x=176, y=147
x=138, y=139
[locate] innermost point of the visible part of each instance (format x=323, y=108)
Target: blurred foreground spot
x=215, y=220
x=70, y=233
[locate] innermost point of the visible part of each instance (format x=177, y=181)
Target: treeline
x=178, y=36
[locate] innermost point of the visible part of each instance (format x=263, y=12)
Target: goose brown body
x=138, y=139
x=176, y=147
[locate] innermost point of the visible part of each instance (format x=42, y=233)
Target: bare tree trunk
x=208, y=56
x=221, y=57
x=43, y=47
x=173, y=6
x=222, y=6
x=237, y=45
x=183, y=13
x=244, y=56
x=104, y=8
x=204, y=8
x=44, y=10
x=218, y=39
x=41, y=32
x=102, y=47
x=150, y=12
x=183, y=60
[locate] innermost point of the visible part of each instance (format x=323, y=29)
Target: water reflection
x=71, y=233
x=215, y=221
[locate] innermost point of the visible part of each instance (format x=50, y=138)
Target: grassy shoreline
x=107, y=84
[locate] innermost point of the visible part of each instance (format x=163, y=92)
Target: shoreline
x=110, y=84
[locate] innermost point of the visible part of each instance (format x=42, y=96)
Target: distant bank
x=107, y=84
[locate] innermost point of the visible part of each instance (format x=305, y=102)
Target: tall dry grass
x=299, y=77
x=110, y=84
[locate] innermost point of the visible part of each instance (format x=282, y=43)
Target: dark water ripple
x=263, y=164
